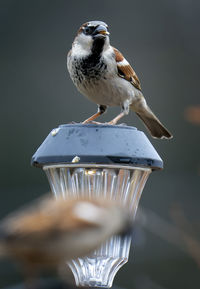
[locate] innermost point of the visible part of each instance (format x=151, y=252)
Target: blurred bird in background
x=52, y=231
x=101, y=73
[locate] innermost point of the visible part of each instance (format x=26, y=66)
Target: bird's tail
x=155, y=127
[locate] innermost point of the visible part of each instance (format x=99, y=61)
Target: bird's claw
x=92, y=122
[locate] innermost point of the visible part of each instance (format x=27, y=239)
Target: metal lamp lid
x=97, y=144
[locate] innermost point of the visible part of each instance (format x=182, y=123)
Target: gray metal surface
x=99, y=144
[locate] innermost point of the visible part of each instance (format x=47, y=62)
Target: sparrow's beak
x=101, y=30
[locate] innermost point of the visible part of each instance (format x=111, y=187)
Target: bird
x=102, y=74
x=50, y=231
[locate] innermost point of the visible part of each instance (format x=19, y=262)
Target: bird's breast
x=97, y=79
x=86, y=70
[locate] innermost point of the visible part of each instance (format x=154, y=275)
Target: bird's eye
x=88, y=30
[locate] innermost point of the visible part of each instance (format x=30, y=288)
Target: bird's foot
x=115, y=123
x=112, y=122
x=92, y=122
x=116, y=119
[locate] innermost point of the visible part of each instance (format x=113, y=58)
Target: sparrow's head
x=94, y=29
x=92, y=33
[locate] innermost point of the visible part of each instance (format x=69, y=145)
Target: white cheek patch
x=82, y=45
x=85, y=40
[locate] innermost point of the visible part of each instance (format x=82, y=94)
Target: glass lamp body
x=110, y=182
x=113, y=162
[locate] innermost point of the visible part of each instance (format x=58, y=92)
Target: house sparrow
x=101, y=73
x=52, y=231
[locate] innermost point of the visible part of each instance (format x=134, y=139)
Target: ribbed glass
x=111, y=182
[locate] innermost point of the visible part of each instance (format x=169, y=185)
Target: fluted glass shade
x=124, y=183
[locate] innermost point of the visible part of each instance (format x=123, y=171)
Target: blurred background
x=161, y=41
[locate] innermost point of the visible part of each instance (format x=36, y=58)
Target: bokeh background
x=161, y=40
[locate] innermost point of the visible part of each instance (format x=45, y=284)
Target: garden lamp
x=93, y=160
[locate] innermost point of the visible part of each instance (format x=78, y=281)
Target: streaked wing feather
x=126, y=71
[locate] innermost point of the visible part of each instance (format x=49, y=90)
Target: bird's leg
x=125, y=111
x=117, y=118
x=100, y=111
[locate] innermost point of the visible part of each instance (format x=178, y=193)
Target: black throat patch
x=92, y=65
x=97, y=46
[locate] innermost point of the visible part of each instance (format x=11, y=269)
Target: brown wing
x=125, y=70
